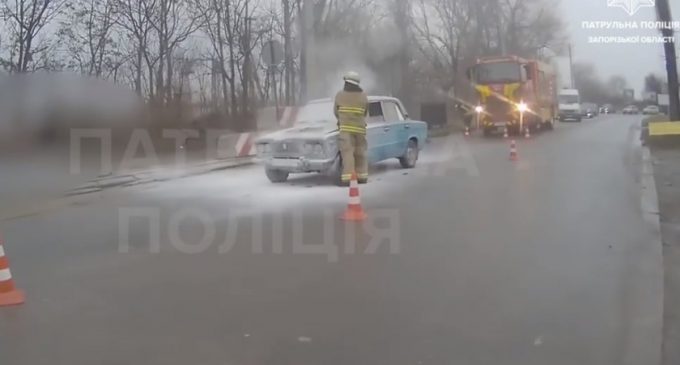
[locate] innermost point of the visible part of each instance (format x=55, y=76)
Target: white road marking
x=538, y=341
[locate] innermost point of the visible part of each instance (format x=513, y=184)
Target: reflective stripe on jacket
x=352, y=129
x=351, y=109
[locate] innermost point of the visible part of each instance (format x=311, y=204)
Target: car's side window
x=400, y=113
x=375, y=113
x=392, y=112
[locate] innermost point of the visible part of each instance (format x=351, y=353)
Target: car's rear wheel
x=410, y=158
x=276, y=176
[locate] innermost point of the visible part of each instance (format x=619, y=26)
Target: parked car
x=651, y=110
x=311, y=144
x=631, y=109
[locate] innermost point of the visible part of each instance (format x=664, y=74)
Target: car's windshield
x=316, y=112
x=569, y=99
x=495, y=73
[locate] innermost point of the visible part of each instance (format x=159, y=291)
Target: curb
x=129, y=179
x=645, y=337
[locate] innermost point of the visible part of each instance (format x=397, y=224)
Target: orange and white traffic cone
x=513, y=151
x=527, y=133
x=9, y=294
x=505, y=133
x=354, y=212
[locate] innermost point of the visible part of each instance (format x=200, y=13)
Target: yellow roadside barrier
x=657, y=129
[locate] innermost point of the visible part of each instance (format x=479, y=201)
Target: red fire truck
x=514, y=93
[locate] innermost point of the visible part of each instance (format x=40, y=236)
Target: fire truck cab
x=514, y=93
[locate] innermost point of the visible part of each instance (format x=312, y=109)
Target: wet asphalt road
x=467, y=259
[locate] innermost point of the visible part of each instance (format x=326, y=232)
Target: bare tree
x=288, y=50
x=26, y=21
x=442, y=29
x=221, y=19
x=88, y=36
x=174, y=22
x=452, y=33
x=133, y=19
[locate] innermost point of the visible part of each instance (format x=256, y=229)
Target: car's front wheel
x=410, y=158
x=276, y=176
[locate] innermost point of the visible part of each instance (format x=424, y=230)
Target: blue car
x=311, y=145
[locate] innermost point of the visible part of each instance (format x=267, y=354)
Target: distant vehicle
x=651, y=110
x=631, y=109
x=311, y=144
x=589, y=110
x=570, y=105
x=513, y=91
x=607, y=109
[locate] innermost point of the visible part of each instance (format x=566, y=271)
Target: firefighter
x=467, y=114
x=351, y=108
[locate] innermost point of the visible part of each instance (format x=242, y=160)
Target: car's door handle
x=386, y=129
x=406, y=126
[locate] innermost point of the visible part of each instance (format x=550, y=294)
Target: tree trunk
x=138, y=73
x=288, y=64
x=232, y=61
x=168, y=78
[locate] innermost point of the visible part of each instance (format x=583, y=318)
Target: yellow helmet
x=352, y=78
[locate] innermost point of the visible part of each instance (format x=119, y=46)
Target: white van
x=570, y=105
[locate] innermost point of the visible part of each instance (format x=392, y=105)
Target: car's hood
x=302, y=131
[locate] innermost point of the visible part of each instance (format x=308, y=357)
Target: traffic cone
x=505, y=133
x=527, y=133
x=513, y=151
x=467, y=131
x=354, y=210
x=9, y=294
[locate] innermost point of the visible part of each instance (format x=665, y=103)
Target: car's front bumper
x=570, y=116
x=500, y=125
x=299, y=165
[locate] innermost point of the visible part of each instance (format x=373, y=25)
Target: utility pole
x=664, y=14
x=571, y=68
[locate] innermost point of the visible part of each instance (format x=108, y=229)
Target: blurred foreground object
x=9, y=294
x=43, y=108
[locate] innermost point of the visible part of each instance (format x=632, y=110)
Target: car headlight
x=308, y=149
x=522, y=107
x=314, y=149
x=264, y=148
x=318, y=150
x=479, y=108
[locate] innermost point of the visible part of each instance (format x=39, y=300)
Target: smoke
x=330, y=59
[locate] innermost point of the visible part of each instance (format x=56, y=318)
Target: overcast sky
x=633, y=61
